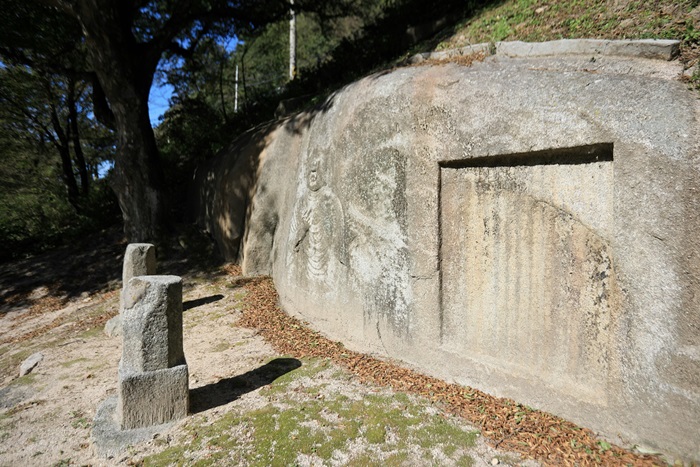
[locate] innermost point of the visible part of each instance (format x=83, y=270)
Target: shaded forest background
x=57, y=181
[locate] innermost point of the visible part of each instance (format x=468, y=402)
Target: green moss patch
x=26, y=380
x=75, y=361
x=309, y=417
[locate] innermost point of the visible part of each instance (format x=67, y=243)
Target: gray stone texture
x=153, y=377
x=526, y=225
x=484, y=48
x=658, y=49
x=30, y=363
x=152, y=397
x=139, y=260
x=152, y=323
x=110, y=440
x=653, y=49
x=113, y=327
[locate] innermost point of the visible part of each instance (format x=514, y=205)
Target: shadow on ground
x=189, y=304
x=229, y=389
x=95, y=266
x=66, y=272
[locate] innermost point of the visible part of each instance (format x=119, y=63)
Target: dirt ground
x=247, y=407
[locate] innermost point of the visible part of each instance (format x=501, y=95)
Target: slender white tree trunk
x=235, y=99
x=292, y=42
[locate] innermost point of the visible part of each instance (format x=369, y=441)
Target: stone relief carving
x=317, y=232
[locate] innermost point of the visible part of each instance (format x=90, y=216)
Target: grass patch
x=10, y=362
x=239, y=295
x=70, y=363
x=221, y=347
x=26, y=380
x=536, y=20
x=7, y=425
x=92, y=333
x=317, y=423
x=79, y=420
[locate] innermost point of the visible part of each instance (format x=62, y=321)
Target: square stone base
x=152, y=397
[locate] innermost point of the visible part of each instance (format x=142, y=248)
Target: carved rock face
x=527, y=226
x=315, y=179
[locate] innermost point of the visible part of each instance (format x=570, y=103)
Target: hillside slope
x=536, y=20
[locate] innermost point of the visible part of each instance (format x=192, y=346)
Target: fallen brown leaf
x=505, y=423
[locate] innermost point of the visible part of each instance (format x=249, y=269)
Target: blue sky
x=159, y=101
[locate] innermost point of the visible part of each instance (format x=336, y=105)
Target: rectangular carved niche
x=527, y=278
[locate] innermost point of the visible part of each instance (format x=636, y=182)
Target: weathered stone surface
x=110, y=440
x=139, y=260
x=113, y=327
x=30, y=363
x=654, y=49
x=524, y=255
x=153, y=375
x=527, y=226
x=484, y=48
x=152, y=397
x=152, y=323
x=14, y=394
x=659, y=49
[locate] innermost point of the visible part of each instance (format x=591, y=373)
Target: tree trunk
x=125, y=71
x=138, y=180
x=74, y=131
x=61, y=142
x=292, y=42
x=69, y=178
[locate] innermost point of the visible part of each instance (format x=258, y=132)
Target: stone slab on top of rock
x=139, y=260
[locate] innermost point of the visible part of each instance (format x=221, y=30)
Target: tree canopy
x=98, y=59
x=116, y=46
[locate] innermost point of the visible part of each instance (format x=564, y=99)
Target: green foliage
x=43, y=201
x=190, y=133
x=38, y=33
x=265, y=56
x=36, y=217
x=202, y=116
x=332, y=46
x=531, y=20
x=34, y=210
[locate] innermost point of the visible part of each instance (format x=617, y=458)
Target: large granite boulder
x=526, y=225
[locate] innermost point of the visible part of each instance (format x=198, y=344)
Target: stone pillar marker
x=153, y=375
x=139, y=260
x=153, y=378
